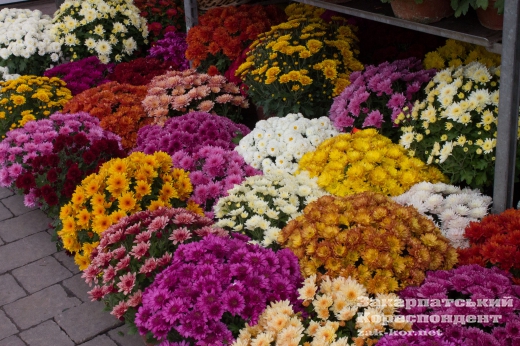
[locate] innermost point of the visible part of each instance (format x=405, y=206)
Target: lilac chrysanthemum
x=36, y=137
x=476, y=285
x=213, y=171
x=172, y=48
x=377, y=95
x=189, y=132
x=213, y=285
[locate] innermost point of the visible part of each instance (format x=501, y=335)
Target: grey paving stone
x=15, y=205
x=40, y=306
x=7, y=328
x=78, y=287
x=5, y=192
x=67, y=261
x=46, y=334
x=1, y=242
x=40, y=274
x=12, y=341
x=125, y=339
x=101, y=340
x=9, y=289
x=5, y=213
x=86, y=321
x=24, y=251
x=23, y=225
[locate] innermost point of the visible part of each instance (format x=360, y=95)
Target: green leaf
x=481, y=3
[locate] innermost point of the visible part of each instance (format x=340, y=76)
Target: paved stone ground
x=43, y=300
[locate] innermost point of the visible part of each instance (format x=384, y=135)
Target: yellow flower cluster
x=122, y=187
x=455, y=127
x=298, y=9
x=456, y=53
x=300, y=65
x=366, y=161
x=30, y=98
x=369, y=237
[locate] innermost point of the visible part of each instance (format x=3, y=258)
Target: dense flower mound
x=378, y=94
x=366, y=161
x=224, y=32
x=30, y=98
x=262, y=205
x=172, y=48
x=179, y=92
x=279, y=143
x=465, y=292
x=213, y=287
x=26, y=44
x=163, y=17
x=456, y=53
x=82, y=74
x=336, y=313
x=450, y=207
x=51, y=179
x=133, y=251
x=112, y=30
x=213, y=171
x=36, y=138
x=121, y=187
x=382, y=244
x=495, y=241
x=325, y=54
x=455, y=127
x=117, y=106
x=140, y=71
x=189, y=133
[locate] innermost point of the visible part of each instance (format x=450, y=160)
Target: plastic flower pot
x=429, y=11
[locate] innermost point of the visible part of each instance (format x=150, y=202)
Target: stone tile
x=5, y=192
x=9, y=290
x=26, y=250
x=101, y=340
x=1, y=242
x=86, y=321
x=67, y=261
x=7, y=328
x=78, y=287
x=120, y=335
x=15, y=205
x=41, y=274
x=40, y=306
x=12, y=341
x=4, y=213
x=46, y=334
x=23, y=225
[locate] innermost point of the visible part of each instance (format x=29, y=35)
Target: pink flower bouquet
x=176, y=93
x=132, y=252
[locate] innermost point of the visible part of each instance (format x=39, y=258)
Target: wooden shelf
x=465, y=28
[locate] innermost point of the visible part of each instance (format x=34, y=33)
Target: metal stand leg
x=508, y=109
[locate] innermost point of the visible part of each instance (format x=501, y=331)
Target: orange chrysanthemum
x=117, y=106
x=383, y=245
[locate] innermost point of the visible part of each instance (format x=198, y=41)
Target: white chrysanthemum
x=446, y=151
x=103, y=47
x=407, y=139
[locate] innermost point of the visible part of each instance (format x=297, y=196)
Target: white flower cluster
x=5, y=75
x=25, y=34
x=110, y=29
x=451, y=208
x=262, y=205
x=280, y=143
